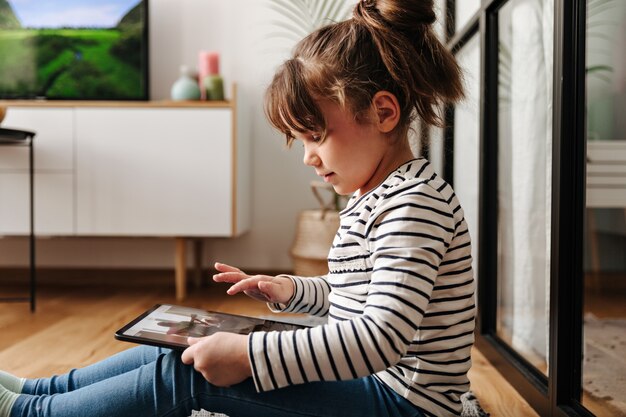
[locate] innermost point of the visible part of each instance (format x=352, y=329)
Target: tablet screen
x=169, y=325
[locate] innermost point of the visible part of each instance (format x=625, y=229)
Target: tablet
x=169, y=326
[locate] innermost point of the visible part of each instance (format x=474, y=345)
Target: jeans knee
x=171, y=366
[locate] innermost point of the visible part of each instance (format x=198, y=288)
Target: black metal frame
x=559, y=393
x=14, y=137
x=566, y=338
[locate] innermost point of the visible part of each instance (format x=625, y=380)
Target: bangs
x=289, y=103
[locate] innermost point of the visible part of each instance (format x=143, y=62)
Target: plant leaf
x=290, y=14
x=300, y=17
x=597, y=68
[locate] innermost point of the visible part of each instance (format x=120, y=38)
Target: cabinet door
x=54, y=173
x=54, y=139
x=154, y=172
x=54, y=204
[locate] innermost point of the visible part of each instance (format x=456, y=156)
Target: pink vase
x=208, y=64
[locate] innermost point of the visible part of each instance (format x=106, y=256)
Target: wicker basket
x=315, y=232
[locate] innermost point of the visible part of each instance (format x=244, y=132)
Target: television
x=74, y=49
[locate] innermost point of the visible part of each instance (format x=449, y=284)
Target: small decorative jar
x=214, y=87
x=185, y=87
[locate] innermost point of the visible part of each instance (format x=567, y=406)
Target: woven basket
x=315, y=232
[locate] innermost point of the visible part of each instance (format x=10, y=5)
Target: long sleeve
x=400, y=299
x=310, y=296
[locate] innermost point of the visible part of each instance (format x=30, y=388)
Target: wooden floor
x=74, y=325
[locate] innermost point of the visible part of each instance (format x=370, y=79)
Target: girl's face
x=354, y=156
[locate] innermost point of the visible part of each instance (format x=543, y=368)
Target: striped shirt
x=399, y=297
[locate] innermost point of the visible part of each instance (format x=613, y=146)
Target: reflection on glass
x=525, y=30
x=466, y=143
x=604, y=329
x=463, y=12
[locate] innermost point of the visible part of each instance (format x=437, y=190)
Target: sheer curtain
x=525, y=155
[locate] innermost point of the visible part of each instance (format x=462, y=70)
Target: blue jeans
x=147, y=381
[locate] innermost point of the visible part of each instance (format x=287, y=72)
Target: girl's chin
x=343, y=191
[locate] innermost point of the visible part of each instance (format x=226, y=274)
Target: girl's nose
x=310, y=157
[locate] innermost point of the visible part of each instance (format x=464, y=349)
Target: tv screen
x=74, y=49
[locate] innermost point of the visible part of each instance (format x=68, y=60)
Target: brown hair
x=387, y=45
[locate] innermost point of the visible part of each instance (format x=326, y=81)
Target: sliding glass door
x=546, y=93
x=604, y=320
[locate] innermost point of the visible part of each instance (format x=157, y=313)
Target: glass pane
x=440, y=24
x=604, y=328
x=466, y=143
x=435, y=149
x=463, y=12
x=525, y=30
x=436, y=134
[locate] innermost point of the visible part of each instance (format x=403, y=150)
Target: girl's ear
x=386, y=111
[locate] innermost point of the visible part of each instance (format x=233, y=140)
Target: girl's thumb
x=267, y=288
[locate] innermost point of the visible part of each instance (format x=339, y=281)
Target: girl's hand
x=260, y=287
x=221, y=358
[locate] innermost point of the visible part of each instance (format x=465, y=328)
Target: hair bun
x=407, y=16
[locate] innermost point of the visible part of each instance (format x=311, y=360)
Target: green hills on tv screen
x=101, y=58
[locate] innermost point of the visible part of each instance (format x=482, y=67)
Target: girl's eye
x=316, y=138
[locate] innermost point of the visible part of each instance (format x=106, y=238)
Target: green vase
x=214, y=87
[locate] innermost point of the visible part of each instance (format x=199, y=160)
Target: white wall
x=239, y=30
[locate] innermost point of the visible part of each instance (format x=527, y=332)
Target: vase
x=185, y=87
x=214, y=87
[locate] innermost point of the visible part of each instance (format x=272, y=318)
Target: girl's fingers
x=231, y=277
x=187, y=356
x=226, y=268
x=245, y=284
x=259, y=287
x=228, y=273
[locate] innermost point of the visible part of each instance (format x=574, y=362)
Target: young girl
x=399, y=296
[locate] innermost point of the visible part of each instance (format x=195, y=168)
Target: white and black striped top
x=399, y=299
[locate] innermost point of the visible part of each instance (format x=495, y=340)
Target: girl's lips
x=327, y=177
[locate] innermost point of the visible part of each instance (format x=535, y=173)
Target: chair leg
x=33, y=275
x=33, y=279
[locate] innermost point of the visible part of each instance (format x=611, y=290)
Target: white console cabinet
x=154, y=172
x=146, y=169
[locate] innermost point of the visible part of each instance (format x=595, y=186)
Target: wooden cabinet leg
x=198, y=250
x=181, y=268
